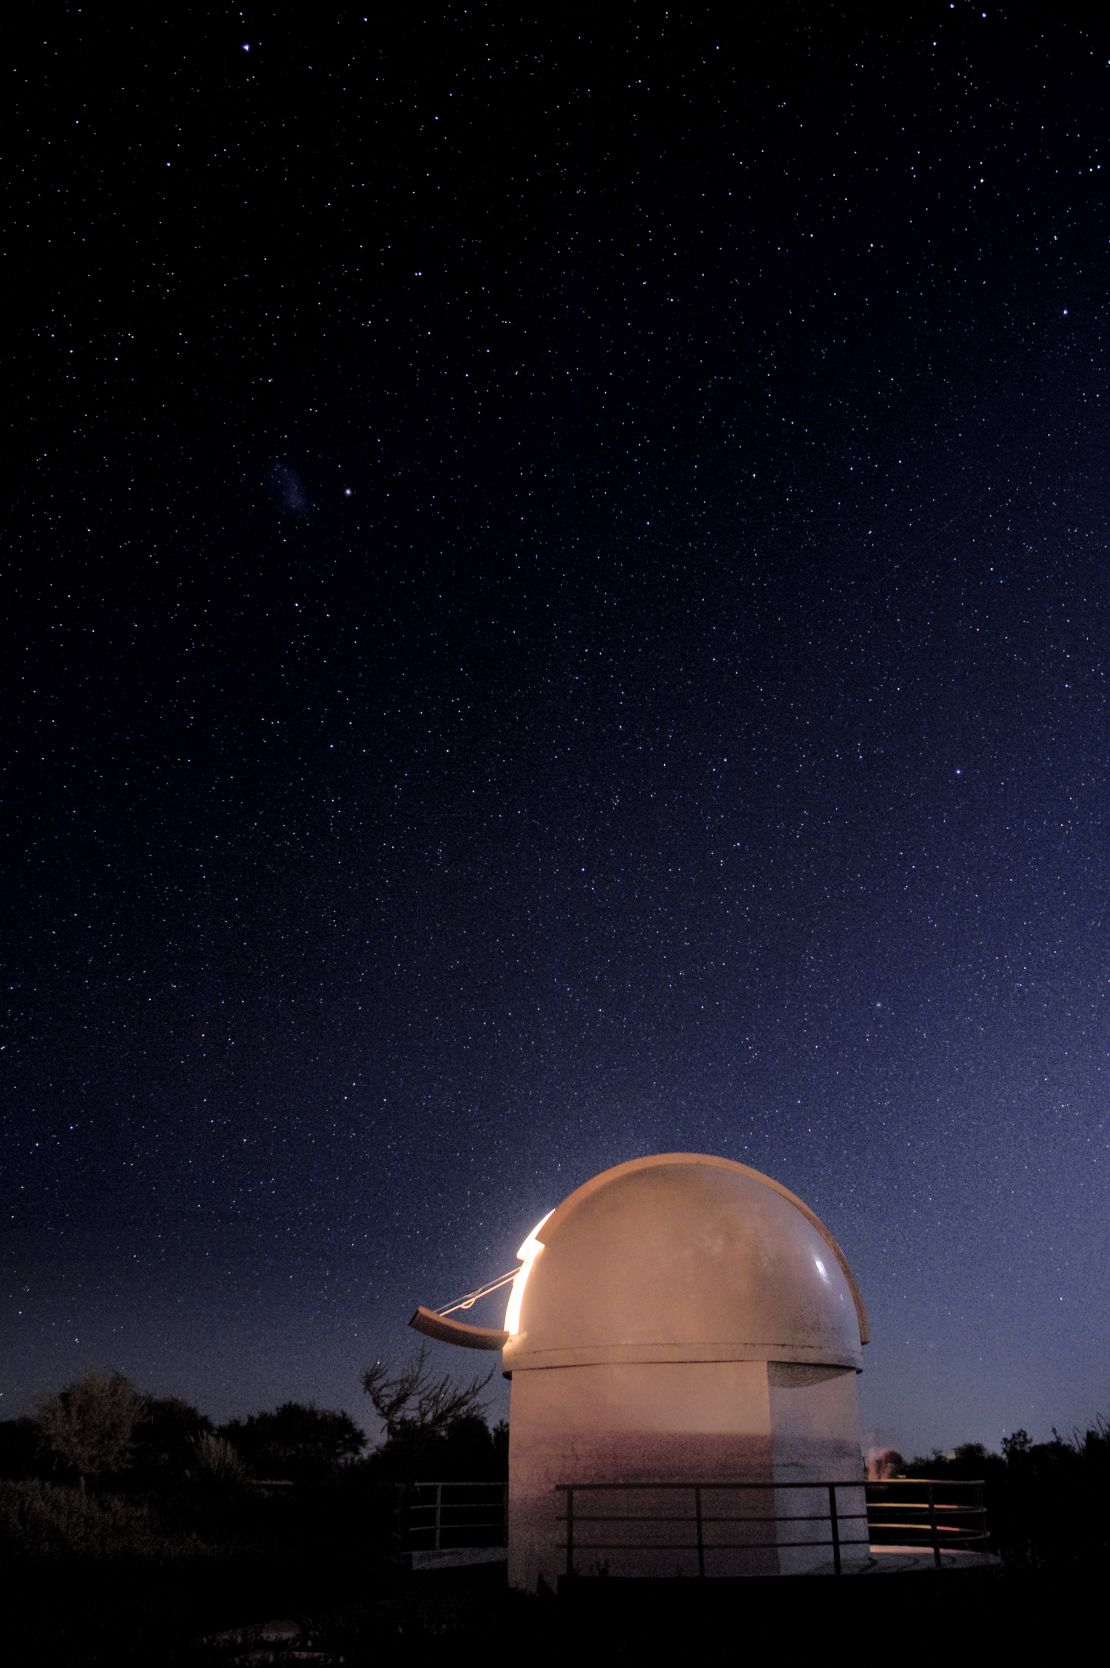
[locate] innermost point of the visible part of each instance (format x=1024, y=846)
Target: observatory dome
x=683, y=1257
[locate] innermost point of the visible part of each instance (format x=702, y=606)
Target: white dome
x=682, y=1257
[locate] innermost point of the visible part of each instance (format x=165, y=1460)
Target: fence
x=921, y=1519
x=445, y=1517
x=940, y=1514
x=946, y=1514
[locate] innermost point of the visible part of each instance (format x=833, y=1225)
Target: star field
x=556, y=608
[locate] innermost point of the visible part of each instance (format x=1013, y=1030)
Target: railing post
x=835, y=1524
x=930, y=1495
x=701, y=1538
x=570, y=1531
x=439, y=1516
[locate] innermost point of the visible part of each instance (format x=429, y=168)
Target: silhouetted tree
x=22, y=1449
x=164, y=1442
x=298, y=1441
x=91, y=1422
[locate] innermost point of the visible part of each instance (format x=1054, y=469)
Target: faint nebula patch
x=287, y=488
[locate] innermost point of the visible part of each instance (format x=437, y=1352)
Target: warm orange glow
x=528, y=1253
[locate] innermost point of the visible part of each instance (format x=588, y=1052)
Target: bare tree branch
x=415, y=1399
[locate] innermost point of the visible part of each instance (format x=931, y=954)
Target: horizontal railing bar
x=789, y=1517
x=455, y=1505
x=921, y=1482
x=428, y=1512
x=691, y=1546
x=919, y=1506
x=561, y=1488
x=947, y=1523
x=798, y=1517
x=454, y=1485
x=925, y=1518
x=772, y=1483
x=460, y=1506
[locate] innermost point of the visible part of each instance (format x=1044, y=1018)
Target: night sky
x=555, y=608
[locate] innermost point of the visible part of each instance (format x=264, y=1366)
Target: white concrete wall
x=630, y=1422
x=710, y=1422
x=814, y=1414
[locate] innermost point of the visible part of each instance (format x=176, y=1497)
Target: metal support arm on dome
x=434, y=1323
x=457, y=1332
x=471, y=1298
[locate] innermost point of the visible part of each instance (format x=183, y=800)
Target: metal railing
x=922, y=1519
x=946, y=1514
x=449, y=1516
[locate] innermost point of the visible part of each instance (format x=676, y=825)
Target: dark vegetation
x=132, y=1526
x=1046, y=1501
x=133, y=1529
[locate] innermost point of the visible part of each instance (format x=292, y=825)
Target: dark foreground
x=183, y=1615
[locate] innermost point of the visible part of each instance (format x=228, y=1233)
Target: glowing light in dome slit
x=528, y=1253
